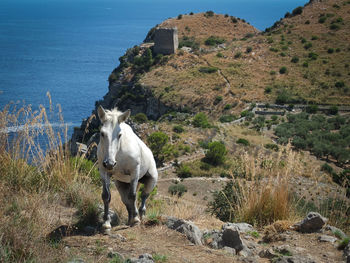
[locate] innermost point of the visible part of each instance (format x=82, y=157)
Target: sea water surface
x=69, y=47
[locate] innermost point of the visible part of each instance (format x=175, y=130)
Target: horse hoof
x=106, y=225
x=134, y=221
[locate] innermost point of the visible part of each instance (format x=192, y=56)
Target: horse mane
x=113, y=114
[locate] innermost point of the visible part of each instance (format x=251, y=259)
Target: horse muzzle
x=109, y=164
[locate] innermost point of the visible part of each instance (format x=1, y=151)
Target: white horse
x=123, y=157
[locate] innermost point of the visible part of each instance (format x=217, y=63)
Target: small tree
x=216, y=153
x=157, y=141
x=201, y=120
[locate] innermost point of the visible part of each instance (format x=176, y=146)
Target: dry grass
x=37, y=175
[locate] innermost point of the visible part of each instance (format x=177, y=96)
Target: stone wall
x=165, y=41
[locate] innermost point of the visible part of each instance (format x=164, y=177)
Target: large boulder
x=144, y=258
x=231, y=238
x=313, y=222
x=241, y=227
x=191, y=231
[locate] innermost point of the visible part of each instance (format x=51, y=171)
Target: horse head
x=110, y=134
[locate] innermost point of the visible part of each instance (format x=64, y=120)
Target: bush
x=283, y=97
x=334, y=27
x=183, y=171
x=179, y=17
x=177, y=189
x=216, y=153
x=340, y=84
x=227, y=107
x=313, y=55
x=308, y=45
x=243, y=141
x=272, y=146
x=295, y=59
x=140, y=117
x=157, y=142
x=248, y=49
x=322, y=19
x=305, y=64
x=238, y=55
x=178, y=129
x=220, y=55
x=330, y=50
x=227, y=118
x=234, y=20
x=311, y=108
x=208, y=70
x=267, y=90
x=225, y=201
x=189, y=42
x=297, y=11
x=213, y=40
x=333, y=110
x=283, y=70
x=327, y=168
x=201, y=120
x=209, y=13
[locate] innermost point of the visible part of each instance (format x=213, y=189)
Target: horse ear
x=101, y=113
x=124, y=116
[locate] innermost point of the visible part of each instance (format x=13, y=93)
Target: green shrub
x=183, y=171
x=191, y=13
x=238, y=54
x=308, y=45
x=243, y=141
x=177, y=189
x=140, y=117
x=88, y=168
x=216, y=153
x=220, y=55
x=334, y=27
x=305, y=64
x=295, y=59
x=311, y=108
x=217, y=100
x=201, y=120
x=333, y=110
x=227, y=118
x=272, y=146
x=214, y=40
x=157, y=142
x=327, y=168
x=313, y=55
x=248, y=49
x=208, y=70
x=234, y=20
x=267, y=90
x=330, y=50
x=227, y=107
x=178, y=129
x=209, y=14
x=297, y=11
x=189, y=42
x=340, y=84
x=283, y=70
x=179, y=17
x=225, y=201
x=314, y=37
x=283, y=97
x=322, y=19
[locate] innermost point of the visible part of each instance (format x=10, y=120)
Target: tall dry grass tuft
x=266, y=196
x=37, y=174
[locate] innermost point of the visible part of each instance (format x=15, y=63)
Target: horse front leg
x=133, y=213
x=106, y=197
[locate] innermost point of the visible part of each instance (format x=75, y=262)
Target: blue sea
x=69, y=47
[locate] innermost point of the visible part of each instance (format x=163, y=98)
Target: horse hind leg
x=149, y=183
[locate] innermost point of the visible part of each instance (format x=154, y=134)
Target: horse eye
x=102, y=134
x=119, y=135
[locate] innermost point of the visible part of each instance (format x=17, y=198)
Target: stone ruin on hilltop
x=165, y=40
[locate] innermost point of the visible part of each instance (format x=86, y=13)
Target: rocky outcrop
x=312, y=222
x=190, y=230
